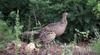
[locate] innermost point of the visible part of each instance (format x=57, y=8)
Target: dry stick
x=35, y=16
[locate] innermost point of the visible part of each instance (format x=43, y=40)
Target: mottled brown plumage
x=56, y=28
x=47, y=37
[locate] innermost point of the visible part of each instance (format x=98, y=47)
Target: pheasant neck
x=64, y=20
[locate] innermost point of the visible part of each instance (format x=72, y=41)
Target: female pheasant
x=49, y=32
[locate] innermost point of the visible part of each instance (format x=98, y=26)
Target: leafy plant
x=81, y=36
x=96, y=43
x=17, y=27
x=6, y=34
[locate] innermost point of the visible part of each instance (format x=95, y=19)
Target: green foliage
x=17, y=27
x=83, y=14
x=81, y=36
x=6, y=34
x=96, y=10
x=96, y=43
x=96, y=46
